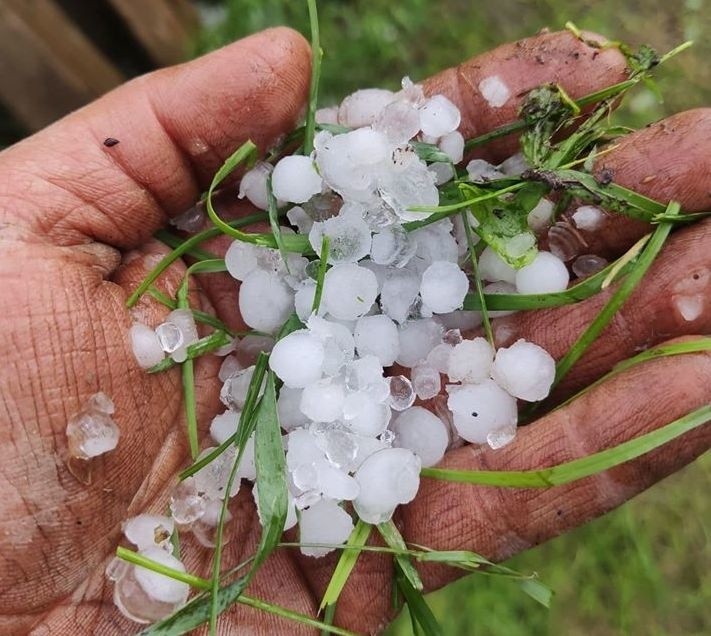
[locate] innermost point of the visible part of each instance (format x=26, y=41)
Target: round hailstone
x=367, y=146
x=417, y=339
x=297, y=359
x=366, y=374
x=146, y=345
x=297, y=216
x=408, y=187
x=402, y=395
x=514, y=166
x=364, y=415
x=588, y=218
x=400, y=121
x=444, y=287
x=349, y=291
x=265, y=301
x=211, y=479
x=91, y=433
x=304, y=300
x=363, y=107
x=425, y=380
x=588, y=264
x=322, y=401
x=525, y=370
x=392, y=246
x=288, y=409
x=335, y=163
x=378, y=336
x=545, y=275
x=158, y=586
x=539, y=218
x=387, y=478
x=234, y=390
x=422, y=432
x=493, y=268
x=439, y=116
x=186, y=504
x=481, y=171
x=398, y=294
x=224, y=426
x=338, y=343
x=295, y=179
x=494, y=91
x=170, y=336
x=438, y=358
x=443, y=171
x=435, y=243
x=470, y=361
x=254, y=185
x=335, y=483
x=452, y=145
x=324, y=523
x=349, y=238
x=291, y=518
x=241, y=258
x=146, y=531
x=479, y=409
x=184, y=321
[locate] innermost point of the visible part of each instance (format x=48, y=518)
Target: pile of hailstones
x=352, y=434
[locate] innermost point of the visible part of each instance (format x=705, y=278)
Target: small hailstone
x=322, y=401
x=444, y=286
x=588, y=264
x=588, y=218
x=546, y=274
x=412, y=186
x=539, y=217
x=377, y=335
x=353, y=181
x=481, y=171
x=158, y=586
x=439, y=116
x=249, y=348
x=349, y=238
x=192, y=220
x=211, y=480
x=402, y=395
x=302, y=448
x=366, y=374
x=248, y=467
x=339, y=445
x=92, y=431
x=234, y=390
x=363, y=107
x=443, y=171
x=224, y=426
x=479, y=409
x=425, y=381
x=525, y=370
x=254, y=185
x=392, y=246
x=297, y=216
x=334, y=483
x=290, y=415
x=146, y=530
x=146, y=345
x=399, y=120
x=205, y=529
x=564, y=241
x=265, y=301
x=367, y=146
x=327, y=115
x=230, y=366
x=387, y=478
x=501, y=437
x=470, y=361
x=423, y=433
x=435, y=243
x=338, y=343
x=295, y=179
x=417, y=339
x=185, y=323
x=515, y=165
x=411, y=92
x=186, y=504
x=452, y=145
x=494, y=91
x=304, y=300
x=324, y=523
x=241, y=258
x=349, y=291
x=170, y=336
x=364, y=415
x=438, y=358
x=500, y=287
x=297, y=359
x=493, y=268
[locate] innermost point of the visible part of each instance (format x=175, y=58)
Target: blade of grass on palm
x=417, y=605
x=205, y=345
x=393, y=538
x=173, y=242
x=477, y=279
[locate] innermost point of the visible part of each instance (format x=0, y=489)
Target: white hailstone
x=422, y=432
x=301, y=448
x=494, y=91
x=146, y=345
x=546, y=274
x=297, y=359
x=159, y=586
x=377, y=335
x=387, y=478
x=249, y=348
x=187, y=505
x=248, y=467
x=515, y=165
x=146, y=530
x=480, y=171
x=211, y=480
x=327, y=115
x=234, y=391
x=588, y=264
x=366, y=374
x=588, y=218
x=304, y=300
x=241, y=258
x=349, y=238
x=500, y=288
x=539, y=217
x=443, y=171
x=254, y=185
x=425, y=380
x=297, y=216
x=398, y=294
x=170, y=336
x=337, y=442
x=334, y=483
x=363, y=107
x=322, y=401
x=411, y=92
x=525, y=370
x=224, y=426
x=295, y=179
x=417, y=339
x=470, y=361
x=352, y=181
x=444, y=287
x=349, y=291
x=493, y=268
x=265, y=301
x=452, y=144
x=290, y=415
x=324, y=523
x=399, y=120
x=338, y=343
x=364, y=415
x=412, y=186
x=464, y=320
x=183, y=320
x=439, y=116
x=92, y=431
x=392, y=246
x=479, y=409
x=402, y=394
x=366, y=146
x=438, y=358
x=435, y=243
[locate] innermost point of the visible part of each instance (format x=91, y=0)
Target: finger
x=174, y=128
x=673, y=299
x=500, y=522
x=669, y=160
x=521, y=66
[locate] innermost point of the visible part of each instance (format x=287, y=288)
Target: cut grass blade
x=316, y=55
x=391, y=535
x=578, y=468
x=323, y=264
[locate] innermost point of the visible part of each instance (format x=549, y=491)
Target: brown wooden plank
x=163, y=27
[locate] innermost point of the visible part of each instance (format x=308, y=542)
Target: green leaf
x=538, y=591
x=173, y=241
x=430, y=152
x=316, y=55
x=417, y=605
x=393, y=538
x=205, y=345
x=477, y=278
x=273, y=212
x=321, y=277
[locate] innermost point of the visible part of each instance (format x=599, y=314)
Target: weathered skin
x=77, y=218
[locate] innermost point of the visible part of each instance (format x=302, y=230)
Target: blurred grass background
x=643, y=569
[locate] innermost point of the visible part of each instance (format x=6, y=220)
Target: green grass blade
x=273, y=212
x=578, y=468
x=538, y=591
x=144, y=562
x=205, y=345
x=346, y=563
x=477, y=279
x=323, y=264
x=316, y=55
x=417, y=605
x=394, y=540
x=173, y=242
x=188, y=377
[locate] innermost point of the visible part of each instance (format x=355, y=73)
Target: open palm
x=77, y=219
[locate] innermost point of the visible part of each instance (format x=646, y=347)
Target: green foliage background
x=643, y=569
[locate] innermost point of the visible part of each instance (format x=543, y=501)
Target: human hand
x=77, y=224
